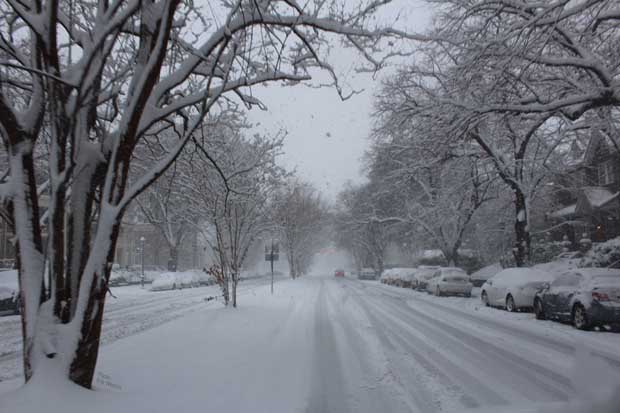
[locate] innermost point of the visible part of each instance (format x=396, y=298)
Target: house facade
x=588, y=198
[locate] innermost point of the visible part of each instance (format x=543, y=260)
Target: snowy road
x=323, y=345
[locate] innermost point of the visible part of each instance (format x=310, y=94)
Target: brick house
x=588, y=200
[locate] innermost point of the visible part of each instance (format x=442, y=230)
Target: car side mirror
x=490, y=282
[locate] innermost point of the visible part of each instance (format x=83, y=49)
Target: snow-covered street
x=322, y=344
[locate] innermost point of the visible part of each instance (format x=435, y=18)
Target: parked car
x=450, y=281
x=176, y=281
x=479, y=277
x=421, y=276
x=367, y=274
x=403, y=277
x=9, y=293
x=586, y=297
x=387, y=276
x=339, y=273
x=514, y=288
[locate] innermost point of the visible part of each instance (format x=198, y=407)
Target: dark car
x=586, y=297
x=9, y=301
x=339, y=273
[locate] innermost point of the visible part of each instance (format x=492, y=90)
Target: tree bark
x=83, y=366
x=521, y=250
x=174, y=258
x=235, y=279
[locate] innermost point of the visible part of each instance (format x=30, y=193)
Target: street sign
x=272, y=252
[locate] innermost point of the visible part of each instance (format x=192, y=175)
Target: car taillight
x=600, y=296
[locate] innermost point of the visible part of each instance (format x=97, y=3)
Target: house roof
x=590, y=199
x=565, y=212
x=597, y=197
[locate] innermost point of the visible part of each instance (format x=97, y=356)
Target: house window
x=606, y=173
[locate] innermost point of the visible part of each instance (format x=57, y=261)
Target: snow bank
x=182, y=279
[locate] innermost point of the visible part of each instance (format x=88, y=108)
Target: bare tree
x=300, y=215
x=109, y=76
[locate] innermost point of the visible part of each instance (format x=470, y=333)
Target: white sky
x=326, y=136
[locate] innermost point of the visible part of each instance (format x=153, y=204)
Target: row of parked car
x=435, y=280
x=585, y=297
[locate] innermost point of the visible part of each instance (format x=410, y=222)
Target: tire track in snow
x=443, y=377
x=327, y=393
x=563, y=345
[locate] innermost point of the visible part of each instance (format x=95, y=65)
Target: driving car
x=339, y=273
x=450, y=281
x=514, y=288
x=585, y=297
x=422, y=274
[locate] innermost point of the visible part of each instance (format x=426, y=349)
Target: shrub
x=603, y=254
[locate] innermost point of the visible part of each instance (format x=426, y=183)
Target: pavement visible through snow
x=323, y=345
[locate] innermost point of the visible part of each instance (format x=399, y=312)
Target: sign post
x=272, y=254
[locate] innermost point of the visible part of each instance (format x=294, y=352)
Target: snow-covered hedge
x=467, y=261
x=603, y=254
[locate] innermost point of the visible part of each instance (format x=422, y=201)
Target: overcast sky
x=326, y=136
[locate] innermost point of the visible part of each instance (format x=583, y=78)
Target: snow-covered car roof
x=520, y=276
x=486, y=272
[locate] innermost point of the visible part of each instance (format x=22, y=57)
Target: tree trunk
x=83, y=365
x=235, y=279
x=521, y=250
x=174, y=258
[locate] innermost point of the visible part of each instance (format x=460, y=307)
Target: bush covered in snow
x=603, y=254
x=467, y=260
x=545, y=251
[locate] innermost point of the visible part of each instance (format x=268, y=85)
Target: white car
x=450, y=281
x=422, y=275
x=388, y=276
x=514, y=288
x=404, y=277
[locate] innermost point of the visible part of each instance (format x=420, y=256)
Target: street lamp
x=142, y=239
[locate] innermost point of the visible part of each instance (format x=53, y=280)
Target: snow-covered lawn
x=321, y=344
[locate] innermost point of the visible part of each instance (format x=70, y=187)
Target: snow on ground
x=322, y=344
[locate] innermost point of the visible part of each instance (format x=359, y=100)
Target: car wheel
x=510, y=304
x=437, y=292
x=539, y=311
x=485, y=299
x=580, y=317
x=467, y=295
